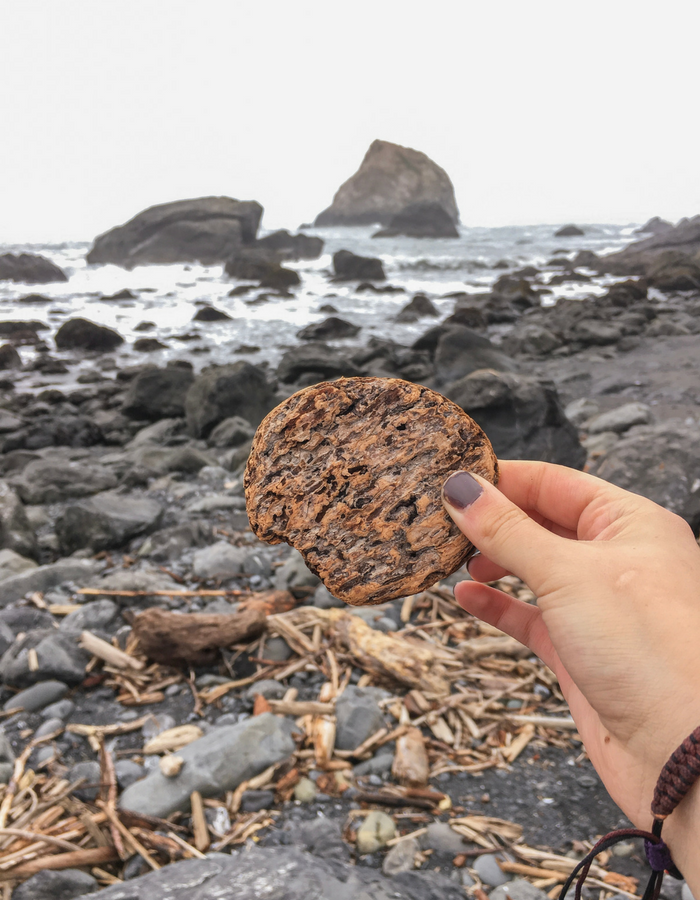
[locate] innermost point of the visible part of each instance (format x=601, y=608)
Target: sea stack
x=390, y=179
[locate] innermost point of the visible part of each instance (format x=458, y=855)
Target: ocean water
x=169, y=296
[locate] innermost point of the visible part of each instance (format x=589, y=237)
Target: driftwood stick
x=109, y=654
x=76, y=860
x=301, y=708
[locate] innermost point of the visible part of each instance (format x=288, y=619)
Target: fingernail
x=461, y=490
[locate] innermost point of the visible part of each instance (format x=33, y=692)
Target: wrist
x=681, y=833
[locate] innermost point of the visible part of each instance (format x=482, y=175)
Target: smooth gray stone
x=400, y=857
x=443, y=839
x=295, y=574
x=488, y=870
x=157, y=724
x=63, y=710
x=106, y=521
x=12, y=563
x=38, y=696
x=214, y=502
x=95, y=616
x=44, y=578
x=58, y=653
x=54, y=480
x=620, y=419
x=217, y=762
x=378, y=765
x=519, y=889
x=277, y=649
x=221, y=560
x=268, y=688
x=48, y=727
x=128, y=772
x=357, y=717
x=64, y=885
x=323, y=599
x=90, y=772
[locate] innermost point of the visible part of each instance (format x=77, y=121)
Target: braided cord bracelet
x=677, y=777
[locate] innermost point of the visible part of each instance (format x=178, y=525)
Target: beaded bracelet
x=677, y=777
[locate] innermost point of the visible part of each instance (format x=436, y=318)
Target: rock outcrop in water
x=29, y=269
x=206, y=230
x=428, y=219
x=390, y=179
x=669, y=248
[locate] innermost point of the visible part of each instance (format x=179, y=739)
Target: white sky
x=539, y=111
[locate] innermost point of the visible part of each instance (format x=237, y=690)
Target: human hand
x=617, y=618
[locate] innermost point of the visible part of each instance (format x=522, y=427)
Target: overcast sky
x=539, y=111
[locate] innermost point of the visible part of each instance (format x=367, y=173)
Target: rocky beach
x=186, y=711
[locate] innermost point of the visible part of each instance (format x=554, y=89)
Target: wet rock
x=681, y=241
x=7, y=637
x=620, y=419
x=220, y=392
x=38, y=696
x=376, y=831
x=674, y=272
x=81, y=334
x=534, y=339
x=519, y=889
x=294, y=575
x=460, y=351
x=161, y=460
x=521, y=415
x=232, y=432
x=55, y=430
x=8, y=422
x=277, y=649
x=633, y=464
x=106, y=521
x=377, y=765
x=260, y=263
x=421, y=220
x=57, y=480
x=400, y=857
x=292, y=246
x=418, y=307
x=348, y=266
x=58, y=656
x=330, y=329
x=158, y=393
x=569, y=231
x=44, y=578
x=314, y=358
x=16, y=534
x=9, y=357
x=217, y=762
x=64, y=885
x=205, y=230
x=221, y=560
x=95, y=616
x=389, y=179
x=89, y=773
x=48, y=726
x=358, y=716
x=487, y=868
x=149, y=345
x=29, y=268
x=210, y=314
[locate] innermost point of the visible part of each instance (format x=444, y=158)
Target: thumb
x=500, y=529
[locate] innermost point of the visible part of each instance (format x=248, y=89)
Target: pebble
x=305, y=790
x=128, y=772
x=38, y=696
x=220, y=560
x=377, y=765
x=63, y=885
x=90, y=774
x=267, y=688
x=400, y=857
x=519, y=889
x=441, y=838
x=487, y=868
x=358, y=716
x=48, y=727
x=64, y=709
x=254, y=801
x=157, y=724
x=376, y=830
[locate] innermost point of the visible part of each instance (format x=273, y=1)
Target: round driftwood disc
x=350, y=473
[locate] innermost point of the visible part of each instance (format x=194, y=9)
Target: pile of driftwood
x=451, y=680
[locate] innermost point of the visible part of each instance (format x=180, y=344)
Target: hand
x=617, y=618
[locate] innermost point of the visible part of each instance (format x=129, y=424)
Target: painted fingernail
x=461, y=490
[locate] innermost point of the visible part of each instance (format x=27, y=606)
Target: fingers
x=482, y=569
x=518, y=619
x=503, y=532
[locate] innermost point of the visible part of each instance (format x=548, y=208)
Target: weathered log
x=193, y=638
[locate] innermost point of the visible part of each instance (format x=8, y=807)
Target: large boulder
x=390, y=179
x=158, y=393
x=206, y=230
x=317, y=360
x=330, y=329
x=655, y=225
x=29, y=269
x=261, y=263
x=215, y=763
x=347, y=266
x=635, y=259
x=428, y=219
x=292, y=246
x=460, y=351
x=660, y=462
x=521, y=415
x=55, y=480
x=240, y=389
x=81, y=334
x=106, y=521
x=44, y=578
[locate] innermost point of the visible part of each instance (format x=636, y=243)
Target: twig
x=112, y=655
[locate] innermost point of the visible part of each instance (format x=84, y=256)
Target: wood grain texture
x=350, y=473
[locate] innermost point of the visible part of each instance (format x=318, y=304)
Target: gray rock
x=596, y=332
x=375, y=831
x=268, y=688
x=323, y=599
x=579, y=411
x=136, y=580
x=521, y=415
x=686, y=893
x=294, y=574
x=171, y=543
x=7, y=758
x=106, y=521
x=128, y=773
x=378, y=765
x=89, y=772
x=315, y=358
x=161, y=460
x=215, y=501
x=461, y=351
x=63, y=710
x=441, y=838
x=48, y=726
x=633, y=464
x=347, y=266
x=38, y=696
x=232, y=432
x=12, y=563
x=220, y=392
x=217, y=762
x=221, y=560
x=487, y=868
x=162, y=433
x=254, y=801
x=64, y=885
x=330, y=329
x=56, y=480
x=158, y=393
x=400, y=857
x=519, y=889
x=157, y=724
x=7, y=637
x=357, y=717
x=44, y=578
x=599, y=444
x=15, y=531
x=277, y=649
x=81, y=334
x=620, y=419
x=58, y=654
x=95, y=616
